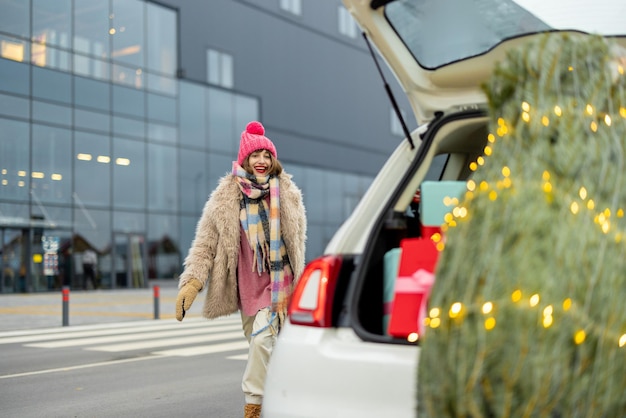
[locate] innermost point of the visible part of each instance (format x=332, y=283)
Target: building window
x=292, y=6
x=347, y=25
x=396, y=126
x=219, y=68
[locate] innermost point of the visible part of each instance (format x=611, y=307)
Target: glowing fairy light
x=547, y=311
x=490, y=323
x=557, y=110
x=607, y=120
x=525, y=107
x=622, y=112
x=492, y=138
x=487, y=307
x=507, y=182
x=516, y=296
x=589, y=109
x=506, y=171
x=473, y=166
x=574, y=208
x=480, y=161
x=435, y=322
x=455, y=309
x=545, y=175
x=593, y=126
x=547, y=321
x=434, y=312
x=525, y=117
x=580, y=337
x=471, y=185
x=622, y=340
x=547, y=187
x=567, y=304
x=493, y=195
x=412, y=337
x=620, y=213
x=545, y=121
x=591, y=204
x=487, y=150
x=483, y=186
x=534, y=300
x=582, y=193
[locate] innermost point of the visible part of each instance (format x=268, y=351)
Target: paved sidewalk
x=23, y=311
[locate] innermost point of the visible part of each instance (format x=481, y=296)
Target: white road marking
x=135, y=336
x=204, y=349
x=168, y=342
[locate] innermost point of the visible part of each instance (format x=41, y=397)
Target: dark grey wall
x=322, y=100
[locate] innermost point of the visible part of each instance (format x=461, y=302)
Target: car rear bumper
x=331, y=372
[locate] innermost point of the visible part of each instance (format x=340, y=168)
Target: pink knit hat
x=254, y=139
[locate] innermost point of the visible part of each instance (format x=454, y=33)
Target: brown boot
x=252, y=410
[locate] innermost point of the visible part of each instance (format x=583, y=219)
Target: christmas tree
x=527, y=317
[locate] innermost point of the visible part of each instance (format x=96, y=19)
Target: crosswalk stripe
x=204, y=349
x=139, y=345
x=133, y=337
x=112, y=330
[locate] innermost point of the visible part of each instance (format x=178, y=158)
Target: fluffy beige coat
x=214, y=252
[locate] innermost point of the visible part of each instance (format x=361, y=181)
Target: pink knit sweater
x=255, y=292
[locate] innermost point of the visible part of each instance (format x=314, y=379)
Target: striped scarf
x=260, y=222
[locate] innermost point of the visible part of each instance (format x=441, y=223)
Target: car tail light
x=312, y=300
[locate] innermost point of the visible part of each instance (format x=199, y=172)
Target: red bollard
x=156, y=290
x=65, y=292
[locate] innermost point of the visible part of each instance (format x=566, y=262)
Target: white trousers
x=261, y=346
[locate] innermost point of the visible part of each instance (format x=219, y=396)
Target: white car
x=333, y=358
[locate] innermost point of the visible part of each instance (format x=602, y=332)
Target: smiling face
x=260, y=162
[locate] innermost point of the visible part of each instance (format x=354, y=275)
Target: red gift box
x=415, y=279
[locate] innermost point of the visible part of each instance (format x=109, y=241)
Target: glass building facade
x=104, y=147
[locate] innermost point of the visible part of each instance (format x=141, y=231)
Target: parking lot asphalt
x=27, y=311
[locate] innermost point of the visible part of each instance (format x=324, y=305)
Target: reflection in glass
x=161, y=108
x=52, y=85
x=14, y=49
x=51, y=22
x=164, y=253
x=92, y=169
x=51, y=179
x=132, y=77
x=55, y=114
x=193, y=181
x=14, y=77
x=162, y=186
x=91, y=67
x=14, y=106
x=161, y=27
x=92, y=93
x=160, y=84
x=128, y=101
x=46, y=56
x=15, y=17
x=129, y=174
x=91, y=28
x=129, y=127
x=14, y=155
x=162, y=133
x=192, y=115
x=92, y=120
x=127, y=30
x=222, y=133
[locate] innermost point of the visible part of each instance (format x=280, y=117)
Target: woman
x=248, y=252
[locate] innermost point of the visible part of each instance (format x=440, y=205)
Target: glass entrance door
x=129, y=260
x=13, y=260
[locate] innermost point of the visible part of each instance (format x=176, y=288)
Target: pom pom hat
x=254, y=139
